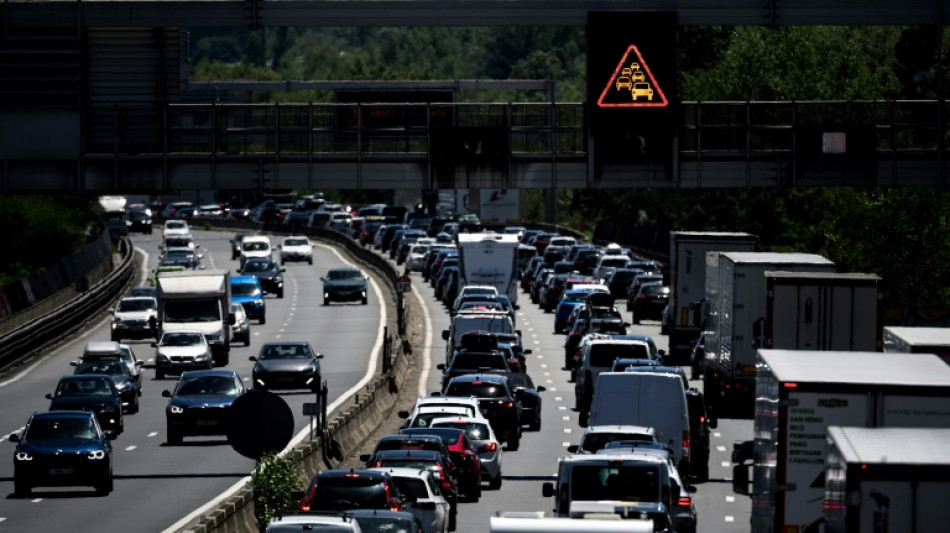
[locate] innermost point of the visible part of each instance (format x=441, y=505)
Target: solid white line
x=427, y=354
x=305, y=432
x=36, y=500
x=717, y=434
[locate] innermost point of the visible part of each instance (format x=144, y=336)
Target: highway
x=163, y=488
x=718, y=509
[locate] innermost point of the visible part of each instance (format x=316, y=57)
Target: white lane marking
x=565, y=444
x=730, y=519
x=2, y=519
x=552, y=389
x=565, y=418
x=539, y=356
x=36, y=500
x=730, y=499
x=558, y=399
x=15, y=431
x=549, y=381
x=720, y=448
x=305, y=432
x=130, y=448
x=427, y=358
x=717, y=434
x=562, y=408
x=568, y=430
x=537, y=342
x=153, y=434
x=544, y=365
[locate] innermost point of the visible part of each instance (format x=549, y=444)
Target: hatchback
x=340, y=490
x=199, y=402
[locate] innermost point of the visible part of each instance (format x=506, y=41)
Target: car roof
x=102, y=346
x=207, y=373
x=340, y=472
x=64, y=413
x=404, y=471
x=238, y=280
x=413, y=454
x=493, y=378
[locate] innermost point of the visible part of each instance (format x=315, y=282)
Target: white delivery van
x=656, y=400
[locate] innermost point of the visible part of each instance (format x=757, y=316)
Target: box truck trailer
x=823, y=311
x=905, y=339
x=683, y=321
x=886, y=479
x=735, y=314
x=799, y=395
x=197, y=300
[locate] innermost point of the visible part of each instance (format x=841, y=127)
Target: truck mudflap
x=220, y=353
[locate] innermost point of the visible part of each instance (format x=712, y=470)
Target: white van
x=255, y=246
x=656, y=400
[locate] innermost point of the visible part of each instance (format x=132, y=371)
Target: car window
x=480, y=389
x=136, y=304
x=284, y=352
x=344, y=274
x=414, y=488
x=333, y=493
x=84, y=387
x=182, y=339
x=202, y=385
x=628, y=483
x=296, y=242
x=112, y=368
x=604, y=354
x=244, y=289
x=62, y=428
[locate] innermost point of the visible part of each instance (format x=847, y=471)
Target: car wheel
x=114, y=338
x=363, y=301
x=514, y=444
x=583, y=418
x=105, y=486
x=478, y=489
x=536, y=423
x=280, y=294
x=310, y=261
x=247, y=340
x=495, y=482
x=452, y=520
x=173, y=435
x=263, y=320
x=21, y=487
x=134, y=408
x=159, y=374
x=326, y=301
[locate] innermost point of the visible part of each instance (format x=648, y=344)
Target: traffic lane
x=152, y=465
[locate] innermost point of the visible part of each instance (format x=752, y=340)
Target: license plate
x=286, y=379
x=658, y=300
x=61, y=471
x=207, y=422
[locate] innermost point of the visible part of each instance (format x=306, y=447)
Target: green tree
x=273, y=481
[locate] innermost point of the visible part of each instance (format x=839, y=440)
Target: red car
x=463, y=454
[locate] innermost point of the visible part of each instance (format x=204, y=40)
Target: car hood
x=135, y=315
x=81, y=403
x=56, y=446
x=296, y=249
x=283, y=365
x=203, y=400
x=182, y=351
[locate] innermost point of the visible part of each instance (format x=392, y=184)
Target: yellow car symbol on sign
x=642, y=89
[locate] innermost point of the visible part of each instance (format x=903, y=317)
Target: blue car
x=199, y=403
x=247, y=291
x=62, y=449
x=569, y=300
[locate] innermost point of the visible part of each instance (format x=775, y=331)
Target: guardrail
x=24, y=341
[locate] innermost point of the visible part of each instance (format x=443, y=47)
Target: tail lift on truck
x=799, y=395
x=735, y=315
x=683, y=321
x=197, y=300
x=886, y=479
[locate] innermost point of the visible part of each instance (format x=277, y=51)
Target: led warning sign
x=632, y=84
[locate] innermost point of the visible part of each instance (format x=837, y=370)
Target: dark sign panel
x=632, y=89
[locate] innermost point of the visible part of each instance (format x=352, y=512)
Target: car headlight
x=202, y=357
x=175, y=410
x=23, y=456
x=122, y=386
x=216, y=336
x=259, y=301
x=96, y=455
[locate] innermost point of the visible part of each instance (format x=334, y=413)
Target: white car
x=479, y=431
x=254, y=246
x=132, y=318
x=416, y=258
x=175, y=227
x=178, y=351
x=294, y=523
x=429, y=407
x=296, y=249
x=424, y=499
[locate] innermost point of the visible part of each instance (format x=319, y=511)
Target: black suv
x=497, y=401
x=344, y=284
x=286, y=365
x=341, y=490
x=699, y=426
x=473, y=362
x=266, y=270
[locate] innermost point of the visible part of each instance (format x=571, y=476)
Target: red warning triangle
x=632, y=84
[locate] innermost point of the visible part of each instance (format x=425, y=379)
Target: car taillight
x=684, y=501
x=444, y=479
x=490, y=447
x=641, y=296
x=686, y=444
x=305, y=504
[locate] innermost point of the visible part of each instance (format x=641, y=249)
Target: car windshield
x=137, y=304
x=182, y=339
x=634, y=483
x=479, y=389
x=112, y=368
x=254, y=246
x=296, y=242
x=284, y=351
x=258, y=266
x=62, y=428
x=206, y=385
x=475, y=361
x=176, y=225
x=83, y=387
x=344, y=274
x=656, y=290
x=384, y=524
x=603, y=355
x=192, y=311
x=348, y=493
x=244, y=289
x=413, y=488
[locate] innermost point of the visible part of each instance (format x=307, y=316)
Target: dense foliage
x=274, y=480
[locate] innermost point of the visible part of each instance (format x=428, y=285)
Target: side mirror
x=252, y=358
x=140, y=364
x=527, y=352
x=154, y=345
x=440, y=366
x=547, y=489
x=403, y=414
x=573, y=448
x=109, y=434
x=445, y=334
x=74, y=363
x=318, y=356
x=49, y=395
x=627, y=324
x=14, y=437
x=713, y=422
x=365, y=457
x=541, y=388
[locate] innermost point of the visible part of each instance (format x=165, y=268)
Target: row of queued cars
x=452, y=441
x=638, y=450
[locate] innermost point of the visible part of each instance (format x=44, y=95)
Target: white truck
x=735, y=308
x=488, y=258
x=683, y=321
x=823, y=311
x=499, y=206
x=906, y=339
x=799, y=395
x=886, y=479
x=197, y=300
